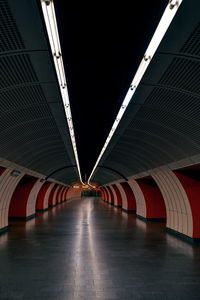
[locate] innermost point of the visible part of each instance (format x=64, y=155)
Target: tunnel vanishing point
x=103, y=139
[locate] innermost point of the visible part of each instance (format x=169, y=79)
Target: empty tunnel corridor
x=85, y=249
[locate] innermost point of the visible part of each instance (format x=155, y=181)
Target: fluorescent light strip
x=52, y=30
x=161, y=29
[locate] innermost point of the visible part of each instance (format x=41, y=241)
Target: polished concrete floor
x=87, y=250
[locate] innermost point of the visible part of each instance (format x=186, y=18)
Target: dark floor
x=88, y=250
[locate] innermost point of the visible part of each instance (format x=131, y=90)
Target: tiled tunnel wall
x=22, y=195
x=167, y=196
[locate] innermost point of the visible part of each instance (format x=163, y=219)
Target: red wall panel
x=19, y=199
x=131, y=203
x=111, y=195
x=118, y=194
x=41, y=195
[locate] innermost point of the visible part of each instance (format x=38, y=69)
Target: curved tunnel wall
x=181, y=195
x=163, y=129
x=58, y=195
x=174, y=197
x=51, y=196
x=118, y=202
x=8, y=184
x=102, y=194
x=160, y=130
x=47, y=196
x=129, y=205
x=150, y=204
x=60, y=199
x=30, y=207
x=179, y=214
x=41, y=196
x=22, y=195
x=114, y=196
x=65, y=194
x=111, y=196
x=106, y=194
x=192, y=190
x=55, y=195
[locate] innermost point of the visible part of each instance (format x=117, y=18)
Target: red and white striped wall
x=106, y=195
x=20, y=198
x=110, y=195
x=118, y=199
x=8, y=184
x=114, y=195
x=128, y=197
x=119, y=195
x=55, y=195
x=57, y=200
x=182, y=202
x=150, y=204
x=179, y=214
x=32, y=198
x=61, y=194
x=102, y=193
x=43, y=196
x=65, y=193
x=22, y=193
x=174, y=196
x=51, y=196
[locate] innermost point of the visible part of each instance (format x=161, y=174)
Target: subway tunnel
x=99, y=150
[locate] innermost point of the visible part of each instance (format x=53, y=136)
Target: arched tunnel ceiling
x=33, y=129
x=161, y=124
x=102, y=48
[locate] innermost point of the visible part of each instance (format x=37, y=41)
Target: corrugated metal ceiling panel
x=165, y=128
x=33, y=133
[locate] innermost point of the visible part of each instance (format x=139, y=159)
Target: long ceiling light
x=161, y=29
x=52, y=30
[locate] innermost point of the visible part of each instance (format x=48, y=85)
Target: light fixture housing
x=52, y=31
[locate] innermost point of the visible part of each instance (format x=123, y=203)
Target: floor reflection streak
x=93, y=250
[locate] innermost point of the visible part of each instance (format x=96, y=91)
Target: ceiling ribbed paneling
x=10, y=38
x=33, y=128
x=161, y=125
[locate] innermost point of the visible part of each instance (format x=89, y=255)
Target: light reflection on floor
x=88, y=250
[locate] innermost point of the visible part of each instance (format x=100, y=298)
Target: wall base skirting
x=42, y=210
x=151, y=219
x=4, y=230
x=128, y=211
x=183, y=236
x=117, y=206
x=22, y=218
x=52, y=205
